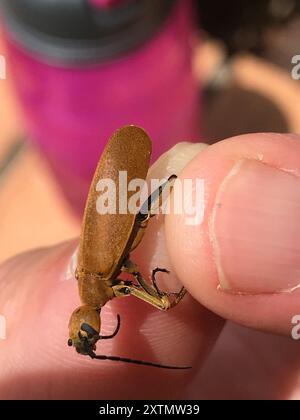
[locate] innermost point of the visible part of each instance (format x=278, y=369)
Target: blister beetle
x=106, y=242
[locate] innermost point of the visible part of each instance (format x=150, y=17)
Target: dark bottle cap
x=76, y=31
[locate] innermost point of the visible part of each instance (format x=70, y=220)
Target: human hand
x=247, y=243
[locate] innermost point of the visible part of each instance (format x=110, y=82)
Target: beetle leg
x=148, y=294
x=158, y=270
x=145, y=285
x=148, y=210
x=131, y=268
x=177, y=295
x=159, y=302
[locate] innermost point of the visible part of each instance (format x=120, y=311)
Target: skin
x=37, y=299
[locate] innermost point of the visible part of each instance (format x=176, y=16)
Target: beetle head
x=84, y=328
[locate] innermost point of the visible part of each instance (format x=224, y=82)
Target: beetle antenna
x=105, y=337
x=136, y=362
x=91, y=332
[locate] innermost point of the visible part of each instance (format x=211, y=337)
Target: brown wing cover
x=104, y=237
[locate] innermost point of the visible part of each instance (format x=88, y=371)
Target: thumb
x=242, y=262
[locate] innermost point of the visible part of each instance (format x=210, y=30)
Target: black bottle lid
x=75, y=31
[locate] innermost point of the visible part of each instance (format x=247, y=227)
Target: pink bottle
x=83, y=68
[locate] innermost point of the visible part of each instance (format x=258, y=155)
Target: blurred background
x=71, y=72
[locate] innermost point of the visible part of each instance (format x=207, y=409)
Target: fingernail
x=256, y=230
x=71, y=268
